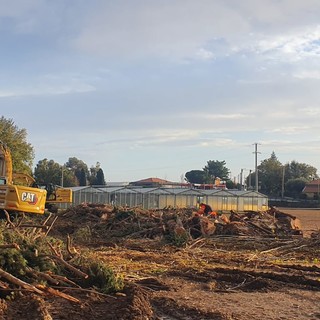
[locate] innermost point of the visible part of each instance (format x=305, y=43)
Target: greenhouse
x=159, y=198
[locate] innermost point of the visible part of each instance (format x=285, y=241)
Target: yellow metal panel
x=22, y=199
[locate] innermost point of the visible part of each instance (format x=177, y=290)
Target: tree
x=196, y=176
x=22, y=152
x=96, y=176
x=49, y=171
x=100, y=178
x=216, y=169
x=273, y=176
x=77, y=166
x=294, y=187
x=82, y=178
x=270, y=176
x=295, y=170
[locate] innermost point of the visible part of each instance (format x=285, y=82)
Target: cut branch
x=68, y=266
x=12, y=279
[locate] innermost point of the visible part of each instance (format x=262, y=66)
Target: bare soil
x=208, y=278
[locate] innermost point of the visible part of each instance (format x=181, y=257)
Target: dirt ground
x=223, y=278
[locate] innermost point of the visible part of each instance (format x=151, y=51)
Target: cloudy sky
x=156, y=88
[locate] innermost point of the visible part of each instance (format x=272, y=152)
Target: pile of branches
x=269, y=223
x=94, y=222
x=33, y=261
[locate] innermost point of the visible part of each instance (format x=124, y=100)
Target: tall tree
x=49, y=171
x=100, y=178
x=270, y=175
x=96, y=178
x=83, y=178
x=77, y=166
x=216, y=169
x=22, y=152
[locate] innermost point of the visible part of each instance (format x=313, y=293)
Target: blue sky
x=156, y=88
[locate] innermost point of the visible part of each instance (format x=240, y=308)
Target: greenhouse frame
x=160, y=197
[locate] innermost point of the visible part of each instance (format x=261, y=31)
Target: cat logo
x=29, y=197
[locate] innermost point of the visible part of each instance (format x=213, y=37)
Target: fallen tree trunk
x=12, y=279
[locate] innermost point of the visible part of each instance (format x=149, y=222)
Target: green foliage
x=104, y=278
x=213, y=170
x=270, y=176
x=30, y=253
x=79, y=170
x=82, y=178
x=49, y=171
x=96, y=176
x=296, y=170
x=83, y=235
x=216, y=169
x=100, y=178
x=294, y=187
x=13, y=261
x=196, y=176
x=178, y=240
x=273, y=175
x=22, y=152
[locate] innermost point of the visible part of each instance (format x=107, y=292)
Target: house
x=312, y=189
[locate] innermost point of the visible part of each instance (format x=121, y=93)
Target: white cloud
x=49, y=85
x=204, y=54
x=307, y=74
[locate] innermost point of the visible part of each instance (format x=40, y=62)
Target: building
x=175, y=197
x=312, y=189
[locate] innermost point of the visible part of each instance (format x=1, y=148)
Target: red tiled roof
x=317, y=181
x=312, y=187
x=153, y=180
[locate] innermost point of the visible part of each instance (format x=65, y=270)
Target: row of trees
x=275, y=179
x=72, y=173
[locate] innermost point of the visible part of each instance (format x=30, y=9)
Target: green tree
x=49, y=171
x=216, y=169
x=83, y=178
x=294, y=187
x=295, y=170
x=270, y=176
x=195, y=176
x=95, y=178
x=77, y=166
x=22, y=152
x=100, y=178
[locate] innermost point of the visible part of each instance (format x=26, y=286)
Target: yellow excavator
x=20, y=193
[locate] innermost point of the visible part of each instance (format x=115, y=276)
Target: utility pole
x=282, y=184
x=241, y=179
x=62, y=167
x=256, y=164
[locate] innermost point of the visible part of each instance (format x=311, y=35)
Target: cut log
x=12, y=279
